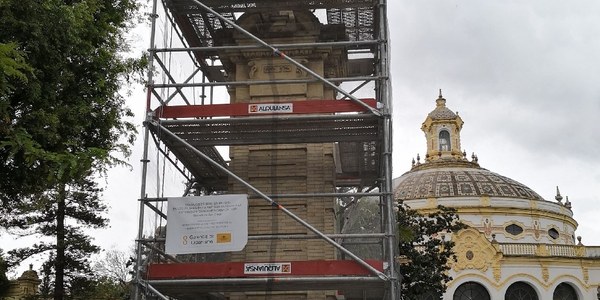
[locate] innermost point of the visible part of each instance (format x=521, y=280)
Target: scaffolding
x=189, y=122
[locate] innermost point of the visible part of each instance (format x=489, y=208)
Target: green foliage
x=79, y=203
x=64, y=122
x=4, y=282
x=101, y=288
x=66, y=107
x=424, y=240
x=91, y=286
x=12, y=67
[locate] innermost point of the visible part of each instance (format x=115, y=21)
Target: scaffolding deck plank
x=356, y=134
x=274, y=130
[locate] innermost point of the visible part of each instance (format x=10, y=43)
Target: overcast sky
x=525, y=78
x=523, y=75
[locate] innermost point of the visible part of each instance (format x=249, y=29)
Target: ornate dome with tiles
x=456, y=180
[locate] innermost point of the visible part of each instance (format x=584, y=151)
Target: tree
x=97, y=287
x=63, y=121
x=424, y=241
x=116, y=268
x=55, y=214
x=4, y=282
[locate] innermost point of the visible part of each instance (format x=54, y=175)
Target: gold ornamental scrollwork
x=474, y=251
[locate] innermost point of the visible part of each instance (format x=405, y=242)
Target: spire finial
x=558, y=197
x=440, y=101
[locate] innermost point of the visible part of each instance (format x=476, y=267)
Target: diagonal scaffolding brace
x=272, y=202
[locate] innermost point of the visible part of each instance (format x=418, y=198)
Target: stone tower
x=276, y=168
x=25, y=287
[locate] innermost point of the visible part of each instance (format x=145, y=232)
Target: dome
x=441, y=112
x=462, y=180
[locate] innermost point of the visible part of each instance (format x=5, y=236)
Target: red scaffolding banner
x=248, y=109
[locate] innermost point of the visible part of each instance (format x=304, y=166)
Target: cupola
x=442, y=130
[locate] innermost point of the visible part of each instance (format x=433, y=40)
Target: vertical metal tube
x=145, y=155
x=386, y=99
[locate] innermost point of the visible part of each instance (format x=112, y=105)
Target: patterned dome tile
x=459, y=182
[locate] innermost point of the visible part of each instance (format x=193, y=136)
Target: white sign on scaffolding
x=206, y=224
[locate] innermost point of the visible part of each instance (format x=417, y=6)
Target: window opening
x=553, y=233
x=564, y=291
x=444, y=139
x=471, y=290
x=520, y=291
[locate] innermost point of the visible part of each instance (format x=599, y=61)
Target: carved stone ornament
x=545, y=273
x=473, y=251
x=497, y=269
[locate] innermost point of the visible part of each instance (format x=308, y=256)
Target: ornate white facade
x=518, y=245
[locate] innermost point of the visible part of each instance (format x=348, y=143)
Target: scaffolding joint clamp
x=278, y=53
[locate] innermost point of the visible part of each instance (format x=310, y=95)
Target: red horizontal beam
x=236, y=269
x=246, y=109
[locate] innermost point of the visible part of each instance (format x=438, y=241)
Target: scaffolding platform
x=356, y=132
x=188, y=280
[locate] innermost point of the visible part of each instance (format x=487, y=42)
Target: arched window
x=444, y=139
x=470, y=291
x=564, y=291
x=520, y=291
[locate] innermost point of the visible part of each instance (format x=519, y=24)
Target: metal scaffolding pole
x=145, y=160
x=385, y=94
x=197, y=136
